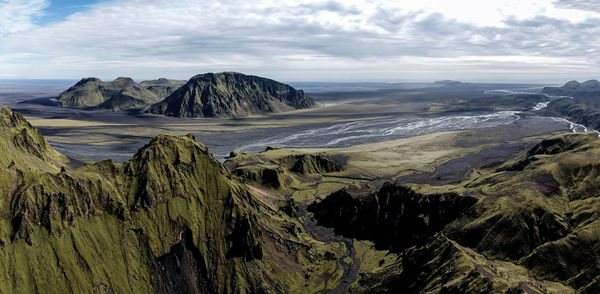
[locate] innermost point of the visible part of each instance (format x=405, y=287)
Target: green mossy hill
x=116, y=221
x=443, y=266
x=230, y=94
x=267, y=176
x=562, y=143
x=279, y=170
x=420, y=227
x=23, y=147
x=542, y=215
x=122, y=93
x=554, y=145
x=306, y=164
x=171, y=219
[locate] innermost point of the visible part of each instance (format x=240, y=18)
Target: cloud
x=18, y=15
x=587, y=5
x=301, y=40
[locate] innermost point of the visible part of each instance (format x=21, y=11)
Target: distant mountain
x=230, y=94
x=581, y=106
x=589, y=89
x=162, y=87
x=122, y=93
x=448, y=82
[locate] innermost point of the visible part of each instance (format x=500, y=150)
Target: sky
x=546, y=41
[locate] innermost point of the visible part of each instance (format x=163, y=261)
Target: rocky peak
x=573, y=84
x=593, y=84
x=12, y=119
x=125, y=81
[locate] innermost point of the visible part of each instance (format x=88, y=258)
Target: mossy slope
x=127, y=228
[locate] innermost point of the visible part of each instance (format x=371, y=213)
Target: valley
x=424, y=194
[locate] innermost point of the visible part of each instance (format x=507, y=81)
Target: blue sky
x=303, y=40
x=58, y=10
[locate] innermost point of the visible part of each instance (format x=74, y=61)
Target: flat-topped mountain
x=122, y=93
x=230, y=94
x=448, y=82
x=162, y=87
x=589, y=89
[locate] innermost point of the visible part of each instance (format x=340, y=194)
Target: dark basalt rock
x=182, y=270
x=289, y=207
x=394, y=216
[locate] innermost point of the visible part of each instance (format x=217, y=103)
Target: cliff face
x=126, y=227
x=230, y=94
x=122, y=93
x=395, y=217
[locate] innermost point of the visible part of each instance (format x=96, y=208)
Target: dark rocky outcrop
x=289, y=207
x=394, y=216
x=182, y=270
x=230, y=94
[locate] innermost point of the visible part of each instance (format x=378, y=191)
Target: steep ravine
x=323, y=234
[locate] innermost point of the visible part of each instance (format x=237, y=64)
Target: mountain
x=511, y=228
x=170, y=220
x=581, y=103
x=230, y=94
x=123, y=228
x=589, y=89
x=162, y=87
x=448, y=82
x=122, y=93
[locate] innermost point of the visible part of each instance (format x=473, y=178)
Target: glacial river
x=360, y=130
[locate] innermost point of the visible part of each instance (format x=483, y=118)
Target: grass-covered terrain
x=525, y=223
x=170, y=219
x=482, y=210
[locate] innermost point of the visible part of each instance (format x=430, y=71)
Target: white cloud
x=17, y=15
x=306, y=40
